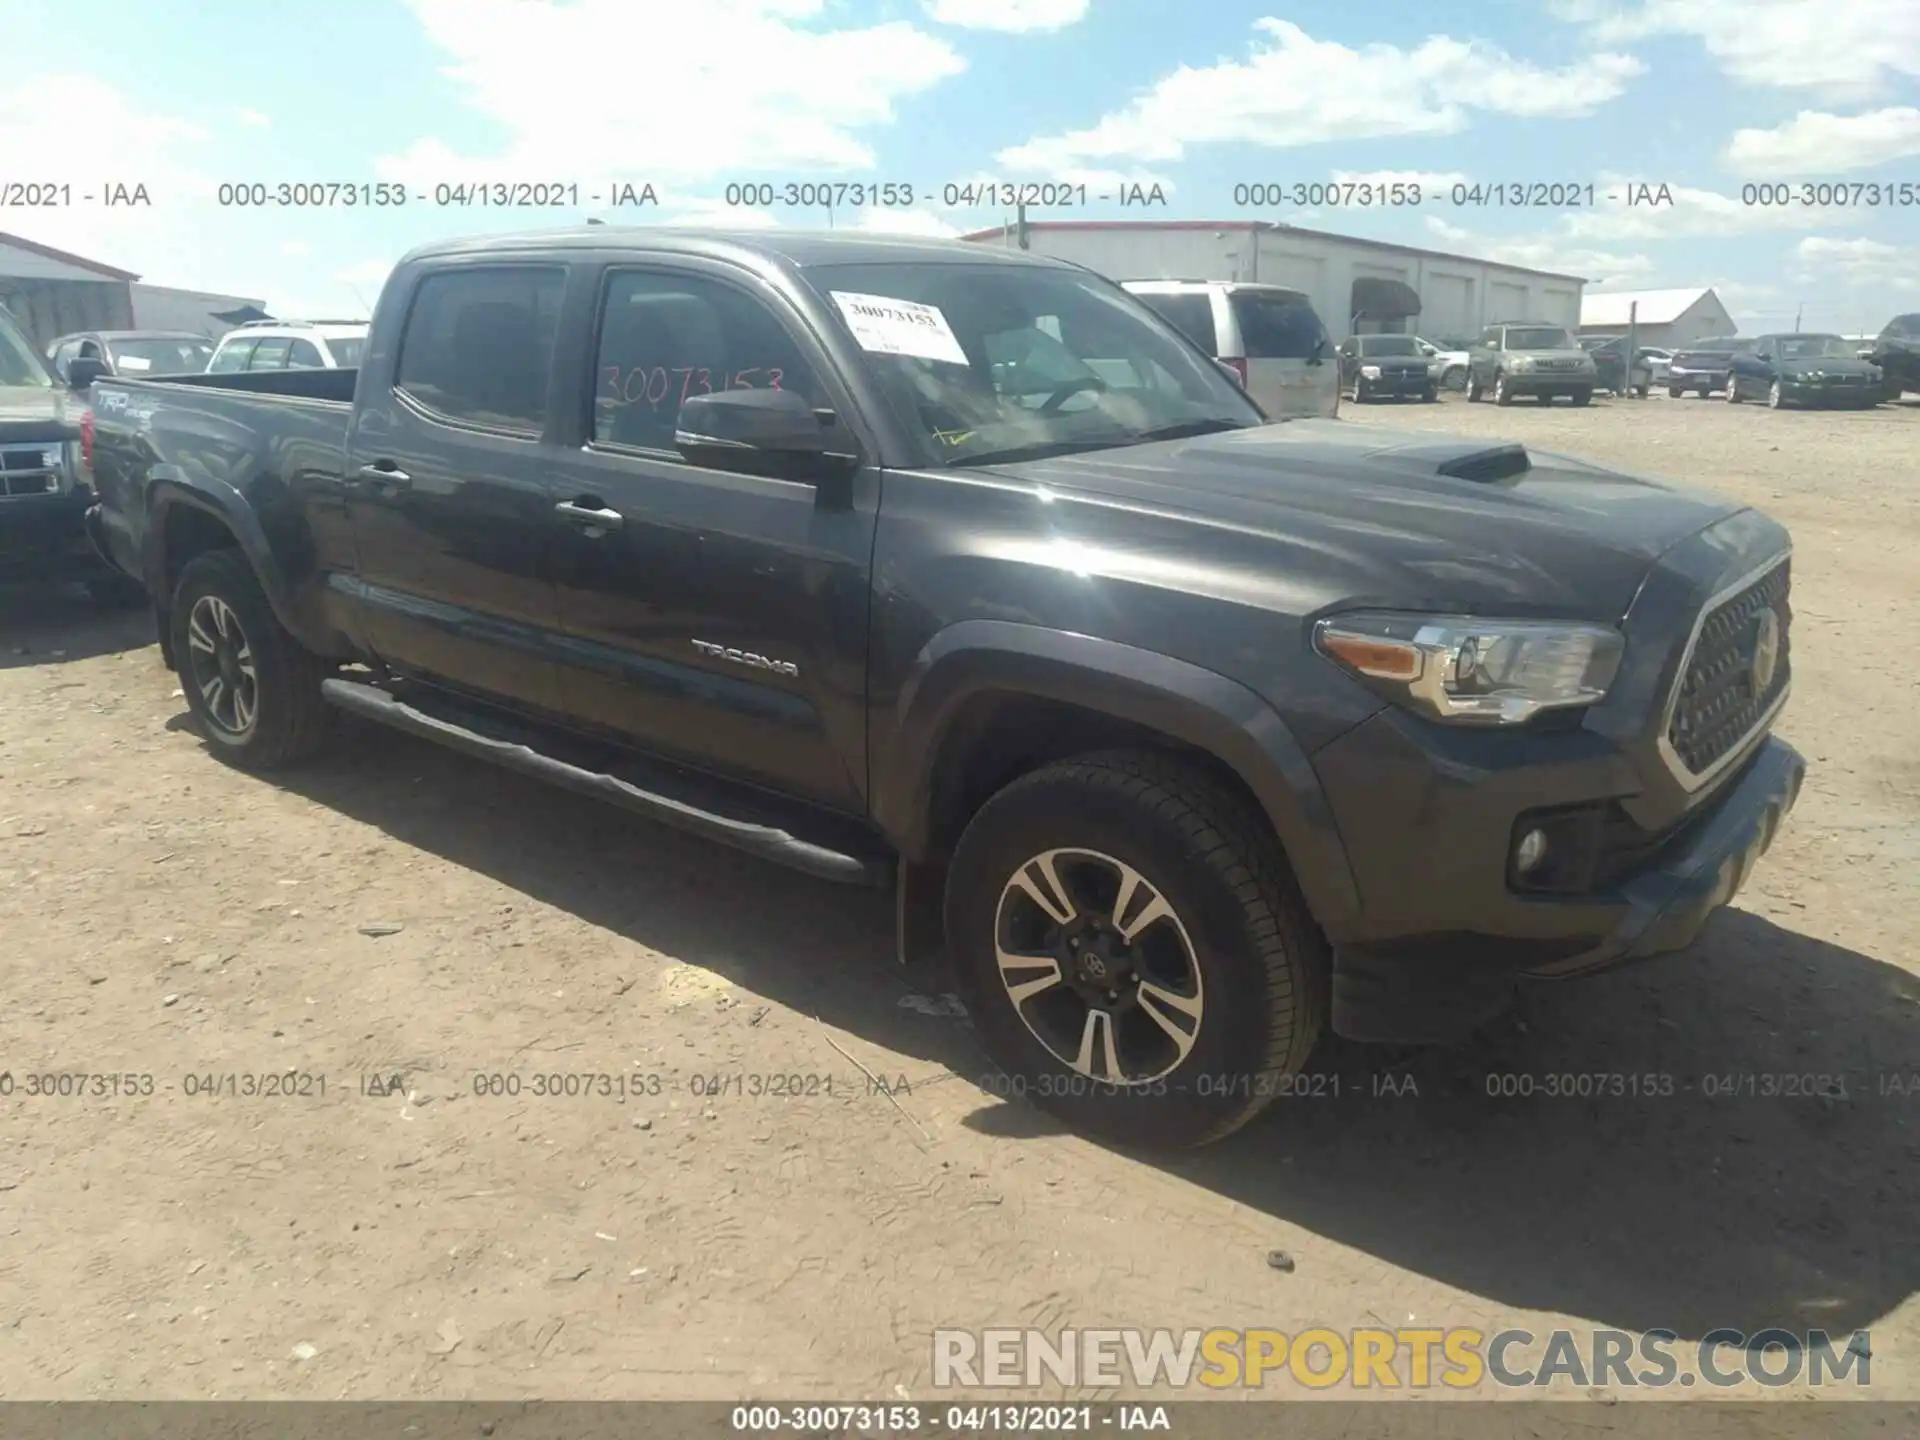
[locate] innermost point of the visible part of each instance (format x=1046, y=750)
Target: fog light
x=1531, y=850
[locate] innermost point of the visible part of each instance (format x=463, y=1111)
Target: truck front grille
x=1736, y=673
x=24, y=469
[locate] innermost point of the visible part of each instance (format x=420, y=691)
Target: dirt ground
x=402, y=912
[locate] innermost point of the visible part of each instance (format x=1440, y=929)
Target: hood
x=1399, y=517
x=1554, y=355
x=1394, y=362
x=30, y=412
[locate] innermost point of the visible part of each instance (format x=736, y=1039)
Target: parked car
x=1385, y=367
x=43, y=491
x=1610, y=366
x=1702, y=367
x=1530, y=358
x=290, y=345
x=954, y=569
x=1447, y=361
x=133, y=352
x=1805, y=369
x=1272, y=338
x=1658, y=359
x=1897, y=353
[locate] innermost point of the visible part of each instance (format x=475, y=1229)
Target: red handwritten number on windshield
x=652, y=385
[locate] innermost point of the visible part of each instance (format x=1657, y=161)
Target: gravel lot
x=403, y=912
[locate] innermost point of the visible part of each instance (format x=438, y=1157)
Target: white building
x=50, y=292
x=1358, y=286
x=1665, y=318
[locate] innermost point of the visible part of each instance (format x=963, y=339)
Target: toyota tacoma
x=1180, y=737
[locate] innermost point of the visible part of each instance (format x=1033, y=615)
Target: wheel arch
x=185, y=522
x=979, y=682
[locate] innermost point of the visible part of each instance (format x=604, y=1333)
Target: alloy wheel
x=1098, y=966
x=220, y=660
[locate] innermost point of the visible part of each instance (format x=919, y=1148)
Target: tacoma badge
x=747, y=657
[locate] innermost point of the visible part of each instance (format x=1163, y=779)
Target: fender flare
x=1186, y=702
x=167, y=488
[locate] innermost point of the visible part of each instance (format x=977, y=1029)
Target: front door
x=447, y=470
x=709, y=616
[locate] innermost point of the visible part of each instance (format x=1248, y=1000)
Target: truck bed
x=334, y=385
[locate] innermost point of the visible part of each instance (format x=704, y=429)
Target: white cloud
x=1851, y=48
x=1429, y=182
x=1815, y=143
x=295, y=249
x=1551, y=252
x=1295, y=90
x=1015, y=16
x=1859, y=262
x=756, y=91
x=253, y=118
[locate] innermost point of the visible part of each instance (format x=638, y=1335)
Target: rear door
x=448, y=464
x=1289, y=359
x=715, y=617
x=231, y=357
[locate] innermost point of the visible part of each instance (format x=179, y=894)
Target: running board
x=741, y=831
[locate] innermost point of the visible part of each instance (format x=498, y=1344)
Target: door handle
x=589, y=515
x=383, y=476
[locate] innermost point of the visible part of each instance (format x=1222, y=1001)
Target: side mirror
x=83, y=370
x=764, y=432
x=1319, y=351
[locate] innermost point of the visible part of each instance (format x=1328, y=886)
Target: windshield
x=1005, y=362
x=346, y=353
x=1540, y=337
x=1813, y=347
x=1388, y=345
x=19, y=366
x=183, y=356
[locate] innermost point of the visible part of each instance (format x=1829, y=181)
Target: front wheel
x=1454, y=378
x=1134, y=949
x=1776, y=397
x=1429, y=395
x=254, y=690
x=1502, y=394
x=1583, y=397
x=1674, y=392
x=1734, y=397
x=1474, y=392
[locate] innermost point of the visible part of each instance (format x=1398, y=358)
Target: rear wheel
x=254, y=690
x=1134, y=949
x=1673, y=392
x=1429, y=395
x=1583, y=397
x=1454, y=377
x=1705, y=391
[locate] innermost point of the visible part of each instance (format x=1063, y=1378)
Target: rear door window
x=1278, y=327
x=305, y=356
x=478, y=346
x=271, y=354
x=1190, y=314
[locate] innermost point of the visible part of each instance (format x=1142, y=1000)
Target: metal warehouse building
x=1671, y=318
x=51, y=293
x=1358, y=286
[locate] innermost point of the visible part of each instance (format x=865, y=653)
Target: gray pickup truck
x=1180, y=736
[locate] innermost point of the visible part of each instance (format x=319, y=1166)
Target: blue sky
x=1701, y=96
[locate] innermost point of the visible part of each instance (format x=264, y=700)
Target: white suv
x=290, y=345
x=1269, y=336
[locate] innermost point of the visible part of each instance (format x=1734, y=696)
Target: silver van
x=1268, y=335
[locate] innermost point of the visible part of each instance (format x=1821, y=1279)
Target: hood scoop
x=1488, y=465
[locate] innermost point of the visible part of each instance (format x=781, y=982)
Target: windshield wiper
x=1187, y=429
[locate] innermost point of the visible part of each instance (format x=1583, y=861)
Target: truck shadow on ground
x=1707, y=1199
x=44, y=624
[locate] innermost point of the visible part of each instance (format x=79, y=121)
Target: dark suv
x=917, y=564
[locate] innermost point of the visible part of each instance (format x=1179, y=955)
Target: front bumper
x=1428, y=821
x=1814, y=392
x=1413, y=382
x=1566, y=382
x=1688, y=379
x=45, y=538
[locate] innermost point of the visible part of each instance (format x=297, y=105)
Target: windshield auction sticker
x=899, y=327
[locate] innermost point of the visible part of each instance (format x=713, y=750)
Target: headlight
x=1520, y=362
x=1471, y=671
x=1370, y=372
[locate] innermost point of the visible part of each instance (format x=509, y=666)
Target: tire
x=1776, y=397
x=1673, y=392
x=1360, y=396
x=1582, y=397
x=222, y=628
x=115, y=591
x=1429, y=395
x=1474, y=392
x=1640, y=391
x=1237, y=933
x=1454, y=378
x=1501, y=394
x=1733, y=391
x=1706, y=392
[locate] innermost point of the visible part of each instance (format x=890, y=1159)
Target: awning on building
x=1375, y=297
x=244, y=315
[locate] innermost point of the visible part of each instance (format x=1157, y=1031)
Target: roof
x=134, y=335
x=801, y=248
x=33, y=247
x=1657, y=307
x=1247, y=226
